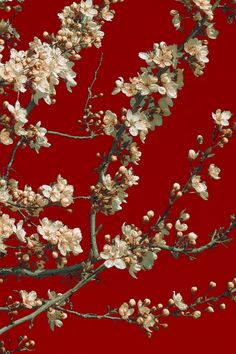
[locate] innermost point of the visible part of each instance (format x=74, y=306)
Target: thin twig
x=19, y=143
x=90, y=315
x=79, y=137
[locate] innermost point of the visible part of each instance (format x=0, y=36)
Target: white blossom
x=125, y=311
x=195, y=48
x=60, y=191
x=205, y=6
x=162, y=55
x=178, y=300
x=67, y=240
x=5, y=137
x=30, y=299
x=214, y=171
x=19, y=231
x=192, y=155
x=107, y=14
x=55, y=318
x=113, y=254
x=136, y=122
x=211, y=32
x=222, y=117
x=169, y=85
x=86, y=8
x=109, y=121
x=18, y=112
x=180, y=227
x=200, y=187
x=39, y=140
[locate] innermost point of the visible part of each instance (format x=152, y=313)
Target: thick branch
x=41, y=273
x=93, y=234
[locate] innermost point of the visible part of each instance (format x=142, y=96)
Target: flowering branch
x=39, y=70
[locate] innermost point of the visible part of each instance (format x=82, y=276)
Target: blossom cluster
x=57, y=234
x=81, y=26
x=8, y=228
x=221, y=137
x=147, y=82
x=15, y=125
x=149, y=316
x=109, y=194
x=58, y=193
x=201, y=11
x=197, y=51
x=130, y=251
x=136, y=250
x=39, y=68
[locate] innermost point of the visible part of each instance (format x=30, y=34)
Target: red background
x=136, y=27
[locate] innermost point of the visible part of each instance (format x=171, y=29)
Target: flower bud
x=192, y=155
x=212, y=285
x=150, y=214
x=132, y=302
x=210, y=309
x=165, y=312
x=230, y=285
x=222, y=306
x=176, y=186
x=200, y=139
x=194, y=289
x=197, y=314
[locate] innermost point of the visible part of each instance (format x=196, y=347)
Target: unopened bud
x=222, y=306
x=230, y=285
x=194, y=289
x=209, y=309
x=212, y=285
x=165, y=312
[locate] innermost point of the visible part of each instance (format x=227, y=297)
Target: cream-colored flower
x=67, y=240
x=125, y=311
x=158, y=240
x=178, y=300
x=180, y=227
x=214, y=171
x=86, y=8
x=113, y=254
x=170, y=86
x=205, y=6
x=19, y=231
x=211, y=32
x=107, y=14
x=5, y=137
x=55, y=318
x=18, y=112
x=222, y=117
x=192, y=155
x=194, y=47
x=30, y=299
x=162, y=55
x=136, y=122
x=192, y=237
x=109, y=121
x=39, y=138
x=146, y=84
x=200, y=187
